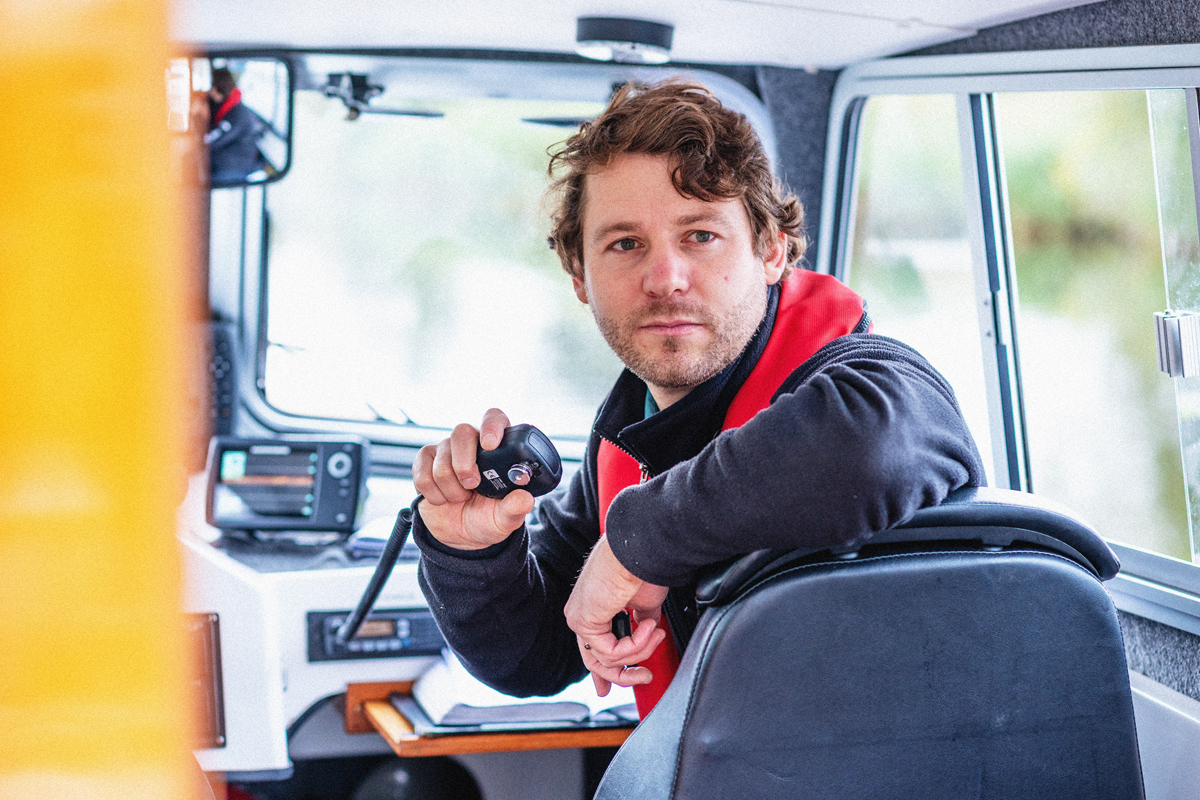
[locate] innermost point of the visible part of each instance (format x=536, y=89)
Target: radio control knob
x=520, y=474
x=339, y=465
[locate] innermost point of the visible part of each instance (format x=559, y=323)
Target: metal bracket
x=1178, y=334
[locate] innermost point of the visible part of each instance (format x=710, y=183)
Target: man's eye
x=703, y=236
x=625, y=244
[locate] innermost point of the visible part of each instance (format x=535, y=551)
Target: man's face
x=673, y=282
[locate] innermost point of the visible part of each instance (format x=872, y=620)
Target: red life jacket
x=234, y=98
x=814, y=309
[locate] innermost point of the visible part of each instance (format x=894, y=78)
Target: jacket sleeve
x=501, y=608
x=860, y=437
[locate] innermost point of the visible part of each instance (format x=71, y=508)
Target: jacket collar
x=680, y=431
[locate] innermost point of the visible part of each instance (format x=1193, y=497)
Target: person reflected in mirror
x=233, y=133
x=756, y=411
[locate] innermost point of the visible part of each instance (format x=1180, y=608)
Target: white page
x=447, y=682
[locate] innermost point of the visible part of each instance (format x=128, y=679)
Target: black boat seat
x=970, y=653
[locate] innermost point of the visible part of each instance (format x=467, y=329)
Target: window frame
x=1151, y=585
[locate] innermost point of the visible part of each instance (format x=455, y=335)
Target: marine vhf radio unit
x=525, y=459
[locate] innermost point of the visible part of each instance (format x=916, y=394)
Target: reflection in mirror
x=229, y=119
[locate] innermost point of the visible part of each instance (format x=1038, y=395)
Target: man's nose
x=668, y=272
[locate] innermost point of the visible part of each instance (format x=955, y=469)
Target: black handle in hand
x=526, y=459
x=621, y=626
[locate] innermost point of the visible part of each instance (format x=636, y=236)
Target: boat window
x=910, y=256
x=420, y=288
x=1100, y=419
x=1175, y=183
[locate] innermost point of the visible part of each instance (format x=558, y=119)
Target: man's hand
x=603, y=589
x=446, y=474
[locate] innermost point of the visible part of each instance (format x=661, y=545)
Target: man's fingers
x=620, y=675
x=604, y=674
x=464, y=440
x=423, y=476
x=491, y=430
x=608, y=651
x=644, y=631
x=512, y=509
x=629, y=652
x=445, y=477
x=633, y=676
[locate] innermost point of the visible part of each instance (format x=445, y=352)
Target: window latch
x=1178, y=334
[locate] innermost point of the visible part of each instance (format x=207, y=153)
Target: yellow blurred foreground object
x=92, y=375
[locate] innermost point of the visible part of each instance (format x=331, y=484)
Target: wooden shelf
x=369, y=709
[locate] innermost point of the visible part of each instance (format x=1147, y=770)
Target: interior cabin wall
x=1111, y=23
x=798, y=102
x=1162, y=653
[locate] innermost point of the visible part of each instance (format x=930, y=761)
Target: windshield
x=407, y=273
x=420, y=287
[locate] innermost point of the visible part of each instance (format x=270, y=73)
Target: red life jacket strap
x=814, y=309
x=234, y=98
x=615, y=469
x=663, y=663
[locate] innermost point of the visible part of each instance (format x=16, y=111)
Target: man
x=755, y=412
x=234, y=132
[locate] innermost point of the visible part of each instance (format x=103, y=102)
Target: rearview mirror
x=230, y=119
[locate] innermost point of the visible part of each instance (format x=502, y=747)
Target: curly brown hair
x=714, y=154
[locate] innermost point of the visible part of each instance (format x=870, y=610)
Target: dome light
x=626, y=41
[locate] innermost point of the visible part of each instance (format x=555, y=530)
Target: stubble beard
x=669, y=365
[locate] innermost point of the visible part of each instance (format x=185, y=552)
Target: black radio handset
x=525, y=459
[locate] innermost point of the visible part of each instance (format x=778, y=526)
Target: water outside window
x=421, y=288
x=1101, y=418
x=910, y=257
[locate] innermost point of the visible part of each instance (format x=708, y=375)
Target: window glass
x=910, y=256
x=1100, y=417
x=1175, y=181
x=420, y=287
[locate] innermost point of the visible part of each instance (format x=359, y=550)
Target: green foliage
x=1080, y=181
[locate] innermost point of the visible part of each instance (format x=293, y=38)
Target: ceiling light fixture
x=626, y=41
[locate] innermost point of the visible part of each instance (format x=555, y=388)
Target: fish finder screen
x=266, y=480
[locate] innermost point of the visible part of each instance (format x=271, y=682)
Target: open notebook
x=447, y=696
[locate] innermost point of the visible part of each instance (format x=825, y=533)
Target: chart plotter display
x=271, y=484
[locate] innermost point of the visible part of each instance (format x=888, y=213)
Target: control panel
x=387, y=633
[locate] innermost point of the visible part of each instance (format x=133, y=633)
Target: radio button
x=339, y=465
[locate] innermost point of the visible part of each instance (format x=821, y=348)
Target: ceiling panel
x=806, y=33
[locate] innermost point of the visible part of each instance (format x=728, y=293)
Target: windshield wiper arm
x=382, y=417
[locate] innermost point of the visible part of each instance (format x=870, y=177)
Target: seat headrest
x=997, y=518
x=1004, y=516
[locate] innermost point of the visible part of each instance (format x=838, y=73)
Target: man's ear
x=580, y=287
x=775, y=259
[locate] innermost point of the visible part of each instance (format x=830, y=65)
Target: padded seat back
x=972, y=653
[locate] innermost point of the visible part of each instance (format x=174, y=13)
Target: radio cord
x=383, y=570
